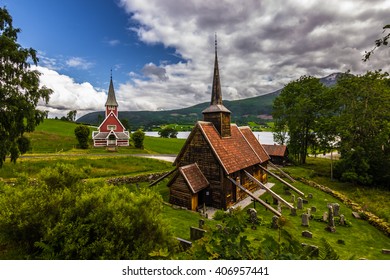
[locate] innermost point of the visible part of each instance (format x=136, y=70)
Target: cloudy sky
x=161, y=52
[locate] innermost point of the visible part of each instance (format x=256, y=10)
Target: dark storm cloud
x=152, y=70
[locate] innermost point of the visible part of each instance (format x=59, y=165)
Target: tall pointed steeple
x=111, y=104
x=216, y=113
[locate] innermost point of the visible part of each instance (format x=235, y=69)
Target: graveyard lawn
x=357, y=240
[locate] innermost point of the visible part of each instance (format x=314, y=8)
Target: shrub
x=82, y=135
x=138, y=138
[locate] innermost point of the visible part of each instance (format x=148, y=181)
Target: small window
x=111, y=127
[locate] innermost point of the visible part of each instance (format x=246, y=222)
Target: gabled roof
x=111, y=115
x=275, y=150
x=111, y=100
x=194, y=177
x=105, y=135
x=234, y=153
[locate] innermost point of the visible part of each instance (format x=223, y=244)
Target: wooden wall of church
x=179, y=193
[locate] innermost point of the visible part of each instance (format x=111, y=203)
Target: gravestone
x=325, y=216
x=184, y=244
x=356, y=215
x=342, y=220
x=274, y=224
x=385, y=251
x=336, y=209
x=253, y=217
x=201, y=223
x=293, y=198
x=308, y=212
x=293, y=212
x=305, y=220
x=305, y=201
x=307, y=234
x=313, y=209
x=196, y=233
x=310, y=195
x=331, y=225
x=279, y=207
x=300, y=203
x=275, y=201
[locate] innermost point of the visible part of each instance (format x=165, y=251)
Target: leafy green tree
x=168, y=132
x=65, y=217
x=126, y=124
x=82, y=135
x=138, y=138
x=363, y=125
x=71, y=116
x=20, y=91
x=297, y=110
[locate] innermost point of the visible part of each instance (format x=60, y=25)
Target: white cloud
x=262, y=45
x=68, y=95
x=78, y=62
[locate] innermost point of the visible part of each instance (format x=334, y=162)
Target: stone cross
x=300, y=203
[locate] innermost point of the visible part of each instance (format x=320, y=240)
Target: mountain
x=256, y=109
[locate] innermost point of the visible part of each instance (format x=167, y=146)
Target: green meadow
x=53, y=142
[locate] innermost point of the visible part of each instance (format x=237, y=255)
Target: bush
x=63, y=217
x=138, y=138
x=82, y=135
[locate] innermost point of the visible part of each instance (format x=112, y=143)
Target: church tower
x=111, y=104
x=216, y=113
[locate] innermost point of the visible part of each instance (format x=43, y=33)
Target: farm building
x=214, y=163
x=111, y=133
x=278, y=153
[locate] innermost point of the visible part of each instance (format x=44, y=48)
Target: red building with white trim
x=111, y=132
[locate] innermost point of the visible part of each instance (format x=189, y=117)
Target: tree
x=363, y=126
x=297, y=110
x=168, y=132
x=82, y=135
x=20, y=91
x=125, y=123
x=384, y=41
x=138, y=138
x=67, y=218
x=71, y=116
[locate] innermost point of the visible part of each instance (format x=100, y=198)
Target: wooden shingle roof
x=234, y=153
x=194, y=177
x=275, y=150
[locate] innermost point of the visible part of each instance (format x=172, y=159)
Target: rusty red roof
x=237, y=152
x=275, y=150
x=194, y=177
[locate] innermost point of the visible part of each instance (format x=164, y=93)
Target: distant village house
x=278, y=153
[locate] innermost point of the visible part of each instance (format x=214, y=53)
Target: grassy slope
x=361, y=239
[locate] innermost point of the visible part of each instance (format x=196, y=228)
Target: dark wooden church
x=215, y=161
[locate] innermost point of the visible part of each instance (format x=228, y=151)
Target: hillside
x=243, y=111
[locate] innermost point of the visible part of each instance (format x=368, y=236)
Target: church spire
x=216, y=113
x=216, y=94
x=111, y=104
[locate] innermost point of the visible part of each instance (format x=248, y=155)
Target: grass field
x=359, y=240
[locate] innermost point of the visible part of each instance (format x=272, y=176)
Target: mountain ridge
x=253, y=109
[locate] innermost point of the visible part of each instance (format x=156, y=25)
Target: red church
x=111, y=133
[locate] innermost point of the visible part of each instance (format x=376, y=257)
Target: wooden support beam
x=281, y=171
x=162, y=177
x=275, y=195
x=283, y=181
x=265, y=204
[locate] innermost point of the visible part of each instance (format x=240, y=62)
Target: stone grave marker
x=325, y=216
x=196, y=233
x=336, y=209
x=307, y=234
x=201, y=223
x=331, y=225
x=293, y=211
x=300, y=203
x=342, y=220
x=274, y=224
x=356, y=215
x=313, y=209
x=305, y=220
x=310, y=195
x=293, y=198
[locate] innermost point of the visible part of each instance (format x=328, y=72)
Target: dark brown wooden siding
x=200, y=152
x=180, y=193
